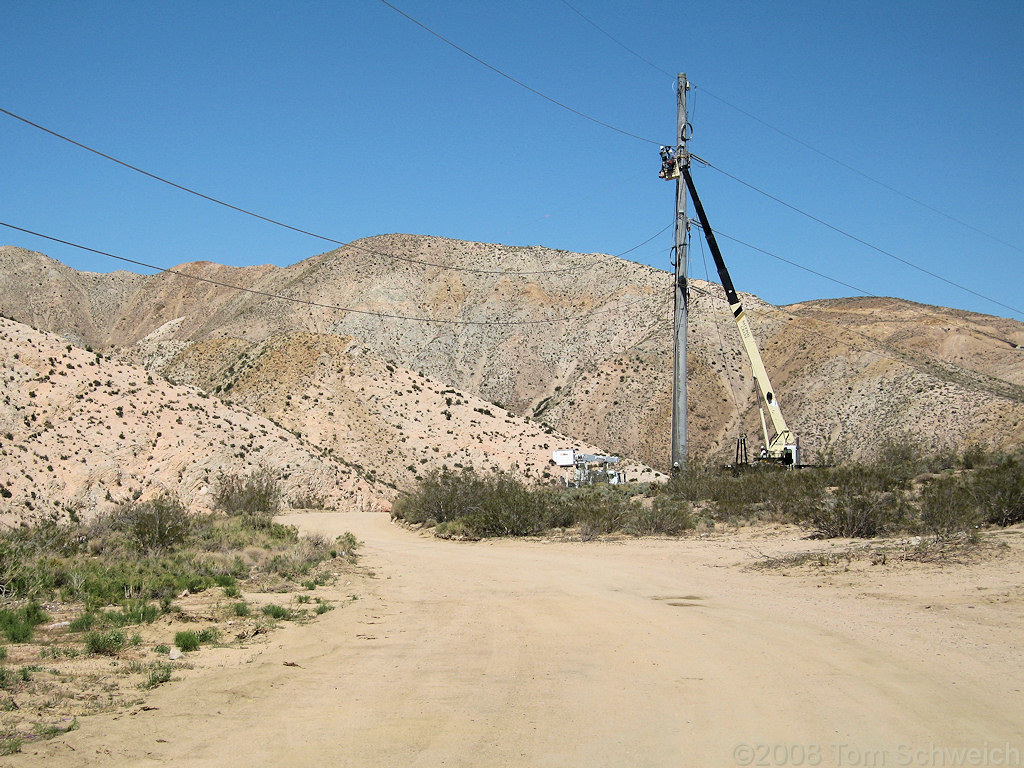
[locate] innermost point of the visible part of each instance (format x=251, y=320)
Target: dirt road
x=636, y=653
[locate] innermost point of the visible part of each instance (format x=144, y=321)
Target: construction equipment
x=586, y=468
x=783, y=447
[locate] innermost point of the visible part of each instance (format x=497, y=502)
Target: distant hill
x=850, y=374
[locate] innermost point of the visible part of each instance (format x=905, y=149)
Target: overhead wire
x=278, y=223
x=862, y=241
x=613, y=38
x=308, y=302
x=820, y=152
x=861, y=173
x=784, y=260
x=509, y=272
x=520, y=83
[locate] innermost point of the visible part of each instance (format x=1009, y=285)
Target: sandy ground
x=634, y=653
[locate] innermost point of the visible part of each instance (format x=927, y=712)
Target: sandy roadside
x=634, y=653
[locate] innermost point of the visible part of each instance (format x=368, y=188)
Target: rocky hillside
x=850, y=374
x=80, y=433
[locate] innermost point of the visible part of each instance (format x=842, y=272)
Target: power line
x=1000, y=388
x=801, y=142
x=863, y=242
x=520, y=83
x=861, y=173
x=276, y=222
x=307, y=302
x=615, y=40
x=784, y=260
x=476, y=270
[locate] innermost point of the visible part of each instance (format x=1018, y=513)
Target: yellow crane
x=782, y=447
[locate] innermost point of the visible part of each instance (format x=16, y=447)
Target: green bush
x=187, y=641
x=998, y=490
x=133, y=612
x=665, y=516
x=240, y=609
x=256, y=496
x=276, y=611
x=156, y=524
x=208, y=635
x=159, y=674
x=9, y=745
x=105, y=643
x=948, y=507
x=82, y=623
x=483, y=505
x=859, y=511
x=18, y=625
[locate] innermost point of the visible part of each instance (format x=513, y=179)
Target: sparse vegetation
x=276, y=611
x=187, y=641
x=159, y=674
x=154, y=525
x=255, y=497
x=904, y=490
x=476, y=505
x=105, y=643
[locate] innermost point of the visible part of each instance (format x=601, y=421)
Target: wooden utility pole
x=682, y=159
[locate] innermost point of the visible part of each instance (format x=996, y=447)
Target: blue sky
x=346, y=119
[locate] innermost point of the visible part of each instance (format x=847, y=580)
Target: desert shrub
x=18, y=625
x=156, y=524
x=9, y=744
x=240, y=609
x=345, y=546
x=187, y=641
x=595, y=510
x=759, y=491
x=256, y=496
x=82, y=623
x=998, y=490
x=948, y=507
x=665, y=515
x=208, y=635
x=485, y=505
x=105, y=643
x=132, y=612
x=159, y=674
x=308, y=499
x=276, y=611
x=858, y=511
x=16, y=631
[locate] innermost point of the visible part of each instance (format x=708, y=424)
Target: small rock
x=175, y=654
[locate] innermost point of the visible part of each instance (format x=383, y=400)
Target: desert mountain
x=850, y=373
x=80, y=433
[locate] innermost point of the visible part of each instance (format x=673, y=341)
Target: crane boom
x=782, y=447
